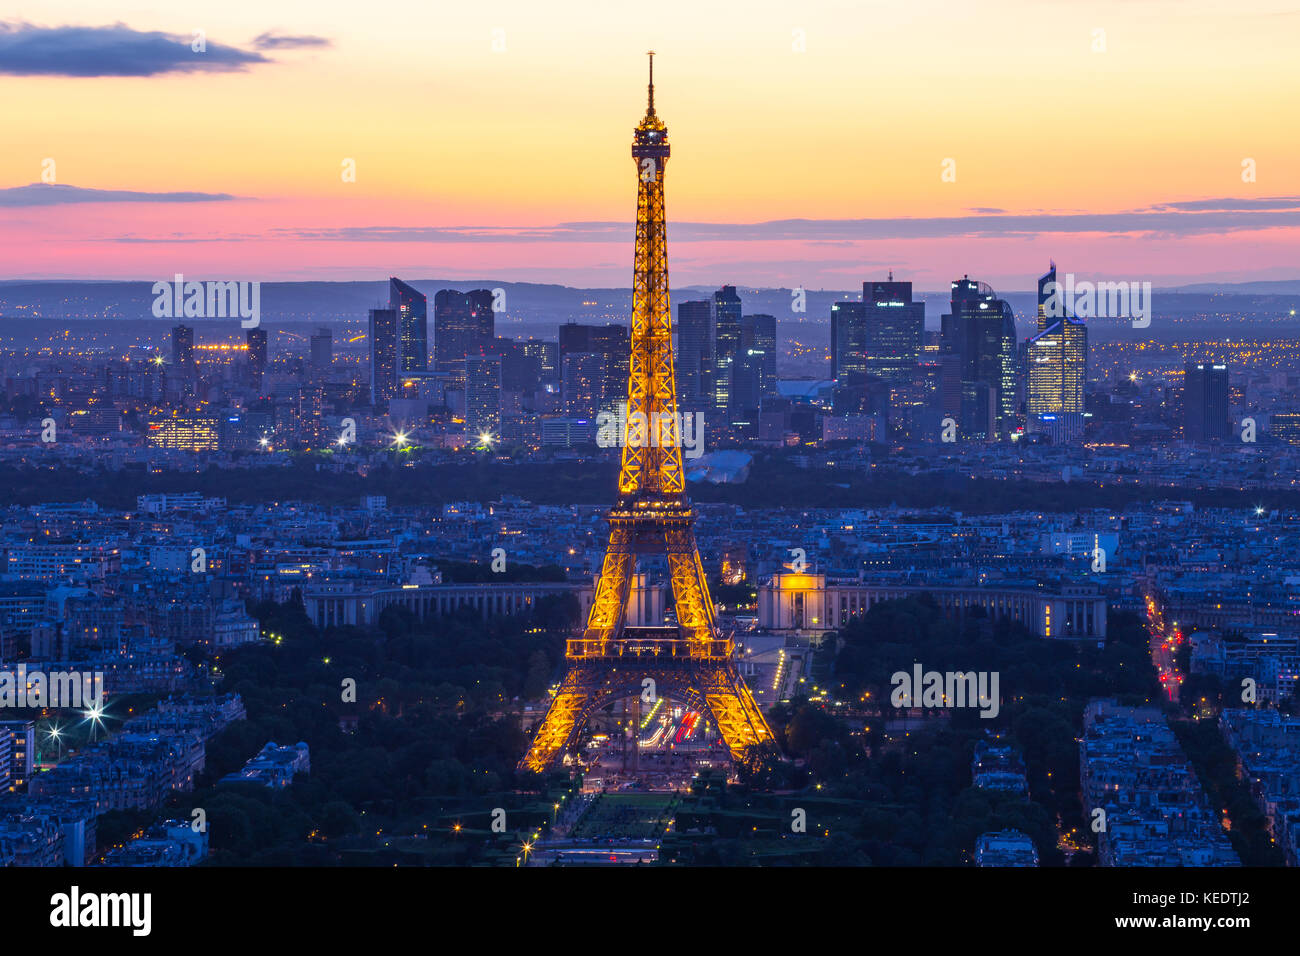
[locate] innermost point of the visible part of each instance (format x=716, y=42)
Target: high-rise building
x=875, y=347
x=746, y=395
x=583, y=385
x=758, y=342
x=726, y=343
x=695, y=355
x=753, y=370
x=483, y=397
x=978, y=347
x=849, y=344
x=412, y=310
x=521, y=371
x=463, y=324
x=322, y=349
x=183, y=346
x=309, y=415
x=256, y=339
x=383, y=355
x=1045, y=287
x=610, y=341
x=895, y=330
x=1205, y=403
x=547, y=355
x=1056, y=360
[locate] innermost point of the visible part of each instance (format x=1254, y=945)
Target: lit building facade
x=463, y=324
x=186, y=433
x=1205, y=403
x=978, y=354
x=1056, y=359
x=809, y=603
x=412, y=310
x=383, y=355
x=483, y=396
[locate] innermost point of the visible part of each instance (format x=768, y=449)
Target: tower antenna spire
x=651, y=110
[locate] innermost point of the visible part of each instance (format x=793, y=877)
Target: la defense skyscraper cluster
x=726, y=361
x=398, y=336
x=983, y=385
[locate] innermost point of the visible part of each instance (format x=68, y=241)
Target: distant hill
x=1197, y=309
x=1277, y=287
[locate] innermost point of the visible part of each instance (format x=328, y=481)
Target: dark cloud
x=1200, y=217
x=1219, y=205
x=45, y=194
x=275, y=41
x=117, y=50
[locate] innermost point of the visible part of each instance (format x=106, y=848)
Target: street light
x=57, y=736
x=94, y=715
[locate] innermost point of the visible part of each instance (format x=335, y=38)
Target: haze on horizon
x=808, y=141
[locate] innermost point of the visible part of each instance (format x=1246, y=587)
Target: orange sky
x=776, y=110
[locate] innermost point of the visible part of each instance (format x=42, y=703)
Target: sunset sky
x=818, y=166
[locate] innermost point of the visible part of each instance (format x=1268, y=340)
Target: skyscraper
x=583, y=385
x=746, y=389
x=483, y=397
x=849, y=344
x=857, y=388
x=1205, y=403
x=183, y=346
x=256, y=339
x=412, y=310
x=322, y=349
x=611, y=342
x=547, y=355
x=1057, y=368
x=463, y=324
x=521, y=371
x=695, y=355
x=383, y=355
x=978, y=353
x=1045, y=294
x=726, y=343
x=758, y=342
x=895, y=330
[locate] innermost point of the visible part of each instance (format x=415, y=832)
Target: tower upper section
x=650, y=138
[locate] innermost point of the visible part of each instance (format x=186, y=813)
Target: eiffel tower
x=691, y=661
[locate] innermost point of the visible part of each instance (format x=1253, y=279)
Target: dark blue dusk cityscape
x=370, y=497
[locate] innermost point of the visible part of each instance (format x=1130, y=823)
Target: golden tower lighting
x=691, y=661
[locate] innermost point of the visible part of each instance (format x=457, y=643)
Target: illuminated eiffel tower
x=689, y=662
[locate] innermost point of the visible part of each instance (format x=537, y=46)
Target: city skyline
x=258, y=190
x=416, y=573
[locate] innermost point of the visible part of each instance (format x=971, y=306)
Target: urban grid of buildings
x=126, y=593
